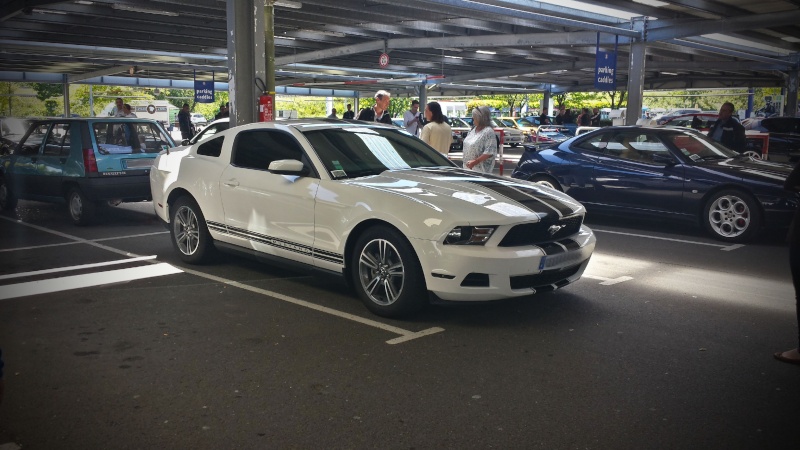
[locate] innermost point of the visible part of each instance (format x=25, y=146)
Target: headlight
x=469, y=235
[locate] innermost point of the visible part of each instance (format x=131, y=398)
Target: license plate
x=561, y=259
x=138, y=163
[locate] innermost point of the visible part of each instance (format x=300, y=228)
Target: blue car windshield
x=355, y=152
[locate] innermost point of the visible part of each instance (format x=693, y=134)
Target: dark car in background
x=665, y=173
x=84, y=163
x=784, y=138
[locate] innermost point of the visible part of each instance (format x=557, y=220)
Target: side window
x=212, y=147
x=596, y=143
x=58, y=140
x=257, y=149
x=33, y=141
x=638, y=147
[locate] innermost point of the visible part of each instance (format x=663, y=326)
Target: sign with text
x=204, y=91
x=605, y=71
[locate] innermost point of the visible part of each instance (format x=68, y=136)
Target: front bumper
x=467, y=273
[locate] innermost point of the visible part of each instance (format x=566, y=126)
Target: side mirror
x=288, y=167
x=185, y=142
x=665, y=160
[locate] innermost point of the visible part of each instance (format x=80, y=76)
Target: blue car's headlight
x=466, y=235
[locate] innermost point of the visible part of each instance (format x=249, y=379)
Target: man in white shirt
x=411, y=118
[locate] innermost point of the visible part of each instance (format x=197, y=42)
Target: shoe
x=779, y=356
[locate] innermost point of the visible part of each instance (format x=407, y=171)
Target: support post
x=791, y=94
x=636, y=71
x=65, y=84
x=245, y=57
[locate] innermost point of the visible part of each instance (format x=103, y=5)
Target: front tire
x=732, y=216
x=386, y=273
x=8, y=200
x=189, y=233
x=81, y=209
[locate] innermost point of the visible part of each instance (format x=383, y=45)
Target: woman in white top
x=436, y=132
x=480, y=145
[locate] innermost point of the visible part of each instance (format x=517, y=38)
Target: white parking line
x=85, y=280
x=725, y=248
x=71, y=268
x=607, y=281
x=405, y=335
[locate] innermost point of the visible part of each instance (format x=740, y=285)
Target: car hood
x=480, y=198
x=750, y=169
x=782, y=124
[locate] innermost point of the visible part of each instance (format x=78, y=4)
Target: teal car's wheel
x=81, y=209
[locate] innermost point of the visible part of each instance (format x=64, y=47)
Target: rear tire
x=189, y=233
x=8, y=200
x=81, y=210
x=731, y=215
x=544, y=180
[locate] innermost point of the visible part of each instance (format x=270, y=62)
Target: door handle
x=231, y=183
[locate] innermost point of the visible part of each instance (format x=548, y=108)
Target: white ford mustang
x=371, y=203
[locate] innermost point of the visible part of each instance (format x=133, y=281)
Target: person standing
x=119, y=108
x=128, y=111
x=436, y=132
x=792, y=184
x=480, y=145
x=727, y=130
x=560, y=116
x=595, y=119
x=349, y=114
x=411, y=119
x=185, y=122
x=332, y=115
x=377, y=113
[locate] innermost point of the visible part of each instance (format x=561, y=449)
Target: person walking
x=411, y=118
x=377, y=113
x=480, y=145
x=436, y=132
x=727, y=130
x=792, y=184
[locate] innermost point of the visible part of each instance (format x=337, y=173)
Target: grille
x=534, y=233
x=544, y=279
x=476, y=280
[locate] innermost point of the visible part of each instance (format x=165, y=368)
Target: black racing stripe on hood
x=532, y=199
x=529, y=197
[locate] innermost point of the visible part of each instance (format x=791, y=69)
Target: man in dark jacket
x=727, y=130
x=377, y=113
x=185, y=122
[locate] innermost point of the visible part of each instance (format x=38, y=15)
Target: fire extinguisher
x=266, y=103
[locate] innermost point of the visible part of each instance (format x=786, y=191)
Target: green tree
x=46, y=91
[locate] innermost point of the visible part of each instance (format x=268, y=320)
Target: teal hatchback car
x=83, y=162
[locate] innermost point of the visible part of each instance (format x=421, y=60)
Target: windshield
x=507, y=122
x=13, y=126
x=698, y=147
x=359, y=151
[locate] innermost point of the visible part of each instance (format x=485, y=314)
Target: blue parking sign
x=605, y=71
x=204, y=91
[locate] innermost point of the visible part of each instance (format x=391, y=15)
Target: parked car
x=784, y=138
x=511, y=135
x=554, y=134
x=198, y=119
x=374, y=205
x=665, y=173
x=703, y=122
x=83, y=162
x=12, y=129
x=660, y=119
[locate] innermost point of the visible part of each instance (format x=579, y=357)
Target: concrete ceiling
x=456, y=47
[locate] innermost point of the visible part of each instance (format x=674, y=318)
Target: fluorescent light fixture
x=325, y=32
x=48, y=11
x=668, y=73
x=486, y=52
x=790, y=39
x=285, y=37
x=457, y=50
x=158, y=12
x=288, y=4
x=656, y=3
x=83, y=2
x=453, y=57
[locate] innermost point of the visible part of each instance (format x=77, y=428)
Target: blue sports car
x=665, y=173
